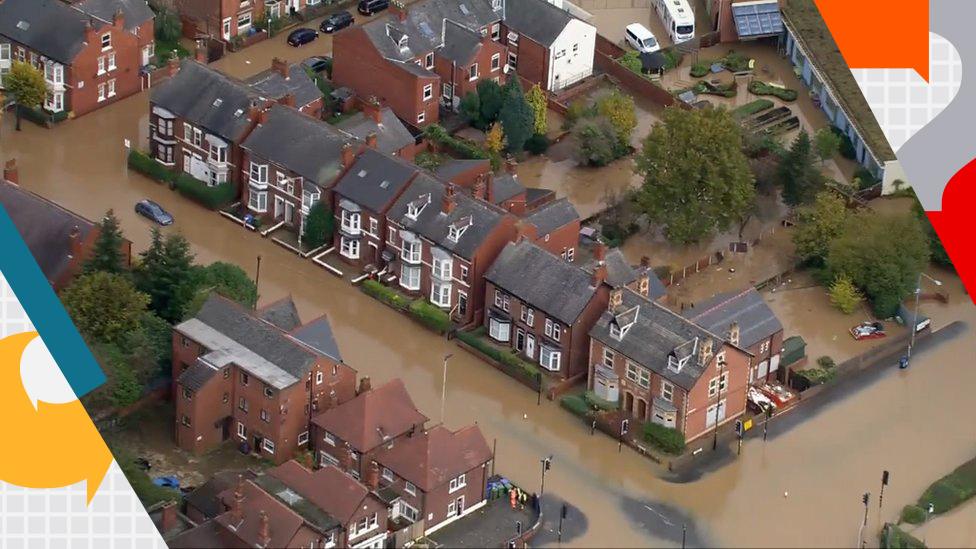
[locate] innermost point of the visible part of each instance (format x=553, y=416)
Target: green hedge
x=598, y=403
x=576, y=404
x=212, y=197
x=913, y=514
x=700, y=69
x=759, y=87
x=144, y=164
x=752, y=108
x=952, y=490
x=430, y=315
x=384, y=294
x=462, y=147
x=664, y=438
x=42, y=117
x=816, y=376
x=512, y=364
x=893, y=537
x=736, y=62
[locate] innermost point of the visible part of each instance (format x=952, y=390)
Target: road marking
x=663, y=518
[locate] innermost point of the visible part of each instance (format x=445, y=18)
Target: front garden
x=213, y=197
x=502, y=358
x=419, y=309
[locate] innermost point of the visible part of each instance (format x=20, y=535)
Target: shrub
x=144, y=164
x=212, y=197
x=700, y=69
x=866, y=178
x=143, y=486
x=512, y=364
x=598, y=403
x=672, y=56
x=816, y=376
x=631, y=60
x=826, y=362
x=844, y=294
x=376, y=290
x=723, y=90
x=664, y=438
x=537, y=144
x=944, y=495
x=462, y=147
x=846, y=145
x=752, y=107
x=430, y=315
x=429, y=160
x=758, y=87
x=575, y=404
x=893, y=537
x=736, y=62
x=913, y=514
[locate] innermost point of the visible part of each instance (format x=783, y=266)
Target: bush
x=866, y=178
x=752, y=108
x=700, y=69
x=673, y=58
x=826, y=362
x=213, y=197
x=759, y=87
x=816, y=376
x=598, y=403
x=631, y=60
x=143, y=486
x=537, y=144
x=576, y=404
x=429, y=160
x=389, y=296
x=512, y=364
x=846, y=145
x=736, y=62
x=430, y=315
x=913, y=514
x=893, y=537
x=722, y=90
x=462, y=147
x=664, y=438
x=144, y=164
x=42, y=117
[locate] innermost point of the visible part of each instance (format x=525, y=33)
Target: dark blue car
x=337, y=21
x=155, y=212
x=302, y=36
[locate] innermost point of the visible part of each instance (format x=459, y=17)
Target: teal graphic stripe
x=45, y=311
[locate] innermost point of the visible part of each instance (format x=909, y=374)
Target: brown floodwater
x=916, y=423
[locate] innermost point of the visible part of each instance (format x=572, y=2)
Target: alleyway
x=909, y=422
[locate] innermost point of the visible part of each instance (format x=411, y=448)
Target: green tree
x=798, y=176
x=696, y=178
x=105, y=307
x=540, y=110
x=319, y=225
x=125, y=386
x=619, y=109
x=817, y=225
x=939, y=254
x=495, y=139
x=882, y=254
x=490, y=98
x=827, y=143
x=516, y=115
x=164, y=274
x=844, y=294
x=226, y=279
x=594, y=142
x=471, y=109
x=107, y=254
x=25, y=86
x=168, y=26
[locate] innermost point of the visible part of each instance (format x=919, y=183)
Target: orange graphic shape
x=880, y=34
x=53, y=446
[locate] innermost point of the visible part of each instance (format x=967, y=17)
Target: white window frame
x=429, y=60
x=718, y=383
x=457, y=483
x=513, y=38
x=349, y=247
x=303, y=438
x=440, y=294
x=329, y=439
x=258, y=174
x=473, y=72
x=512, y=59
x=241, y=431
x=496, y=62
x=442, y=268
x=410, y=282
x=496, y=29
x=428, y=93
x=550, y=358
x=410, y=488
x=667, y=391
x=608, y=357
x=106, y=41
x=319, y=378
x=111, y=88
x=421, y=116
x=101, y=93
x=268, y=446
x=499, y=330
x=638, y=374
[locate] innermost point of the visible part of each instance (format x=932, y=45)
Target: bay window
x=549, y=358
x=410, y=252
x=351, y=222
x=440, y=294
x=349, y=248
x=258, y=200
x=499, y=330
x=410, y=276
x=259, y=175
x=442, y=268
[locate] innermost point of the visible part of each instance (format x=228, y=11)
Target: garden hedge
x=384, y=294
x=213, y=197
x=664, y=438
x=430, y=315
x=512, y=364
x=752, y=108
x=148, y=166
x=576, y=404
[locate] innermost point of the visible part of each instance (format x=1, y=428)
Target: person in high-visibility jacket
x=513, y=496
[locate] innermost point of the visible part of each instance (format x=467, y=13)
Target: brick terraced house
x=254, y=377
x=219, y=19
x=91, y=52
x=380, y=129
x=664, y=368
x=289, y=85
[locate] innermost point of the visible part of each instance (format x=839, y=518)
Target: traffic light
x=547, y=463
x=884, y=478
x=866, y=497
x=738, y=427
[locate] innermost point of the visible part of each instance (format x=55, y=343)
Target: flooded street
x=916, y=423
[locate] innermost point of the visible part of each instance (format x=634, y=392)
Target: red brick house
x=254, y=377
x=349, y=435
x=746, y=321
x=60, y=240
x=379, y=128
x=91, y=53
x=439, y=475
x=661, y=367
x=219, y=19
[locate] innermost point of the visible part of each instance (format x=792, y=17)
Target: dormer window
x=416, y=206
x=675, y=364
x=456, y=230
x=496, y=4
x=402, y=42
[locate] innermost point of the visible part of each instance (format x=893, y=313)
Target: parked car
x=369, y=7
x=641, y=39
x=337, y=21
x=155, y=212
x=302, y=36
x=868, y=330
x=317, y=63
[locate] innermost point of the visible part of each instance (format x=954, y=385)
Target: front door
x=292, y=6
x=530, y=346
x=519, y=339
x=279, y=207
x=289, y=213
x=462, y=304
x=257, y=444
x=226, y=29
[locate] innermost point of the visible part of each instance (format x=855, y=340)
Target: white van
x=678, y=19
x=641, y=39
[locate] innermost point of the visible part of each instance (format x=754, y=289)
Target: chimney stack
x=511, y=166
x=287, y=100
x=10, y=174
x=333, y=399
x=372, y=109
x=364, y=385
x=74, y=241
x=200, y=53
x=168, y=519
x=480, y=188
x=236, y=509
x=705, y=351
x=447, y=205
x=90, y=37
x=173, y=65
x=264, y=529
x=734, y=333
x=348, y=156
x=373, y=476
x=118, y=20
x=616, y=299
x=525, y=231
x=371, y=140
x=599, y=274
x=644, y=284
x=399, y=9
x=280, y=66
x=600, y=252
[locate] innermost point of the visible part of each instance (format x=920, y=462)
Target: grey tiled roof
x=553, y=215
x=196, y=376
x=135, y=12
x=455, y=167
x=434, y=224
x=309, y=147
x=50, y=27
x=271, y=84
x=318, y=335
x=544, y=281
x=207, y=98
x=281, y=313
x=747, y=307
x=504, y=187
x=375, y=180
x=45, y=228
x=656, y=334
x=537, y=19
x=619, y=271
x=460, y=43
x=391, y=134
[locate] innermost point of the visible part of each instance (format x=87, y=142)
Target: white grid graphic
x=902, y=101
x=58, y=518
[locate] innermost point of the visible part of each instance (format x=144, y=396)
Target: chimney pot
x=734, y=333
x=371, y=140
x=372, y=109
x=600, y=252
x=373, y=476
x=10, y=173
x=705, y=351
x=348, y=156
x=118, y=19
x=447, y=204
x=365, y=385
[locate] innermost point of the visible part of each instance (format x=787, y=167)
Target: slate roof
x=433, y=224
x=281, y=313
x=373, y=417
x=619, y=271
x=285, y=522
x=308, y=147
x=656, y=333
x=50, y=27
x=328, y=488
x=747, y=307
x=460, y=43
x=206, y=496
x=432, y=459
x=375, y=180
x=296, y=501
x=196, y=376
x=537, y=19
x=45, y=228
x=391, y=134
x=318, y=335
x=504, y=187
x=553, y=215
x=270, y=83
x=458, y=166
x=544, y=281
x=207, y=98
x=208, y=535
x=135, y=12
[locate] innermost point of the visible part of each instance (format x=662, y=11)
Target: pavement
x=493, y=525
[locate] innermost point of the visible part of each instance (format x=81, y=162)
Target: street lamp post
x=914, y=319
x=257, y=280
x=444, y=386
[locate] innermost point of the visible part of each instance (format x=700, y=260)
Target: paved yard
x=491, y=526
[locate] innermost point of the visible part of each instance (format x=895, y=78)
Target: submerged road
x=916, y=423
